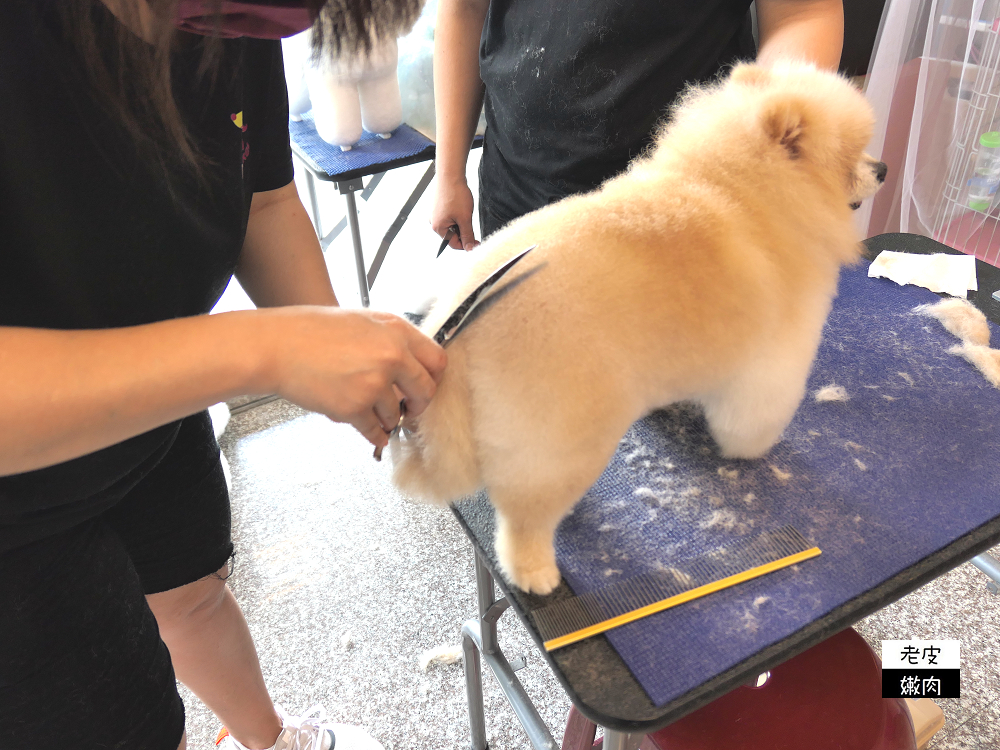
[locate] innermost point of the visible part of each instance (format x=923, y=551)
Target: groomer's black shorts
x=82, y=665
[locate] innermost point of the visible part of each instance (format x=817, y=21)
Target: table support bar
x=474, y=690
x=359, y=258
x=479, y=640
x=621, y=740
x=991, y=567
x=404, y=214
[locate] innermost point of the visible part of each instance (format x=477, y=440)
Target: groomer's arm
x=810, y=30
x=281, y=262
x=67, y=393
x=458, y=99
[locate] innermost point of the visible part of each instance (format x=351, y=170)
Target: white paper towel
x=951, y=274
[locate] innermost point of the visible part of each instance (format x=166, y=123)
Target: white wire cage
x=934, y=82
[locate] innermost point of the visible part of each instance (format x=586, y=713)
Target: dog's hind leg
x=747, y=416
x=528, y=512
x=538, y=452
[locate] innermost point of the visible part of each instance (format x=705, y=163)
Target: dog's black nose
x=880, y=171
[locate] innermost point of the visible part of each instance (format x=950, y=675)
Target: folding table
x=897, y=485
x=371, y=156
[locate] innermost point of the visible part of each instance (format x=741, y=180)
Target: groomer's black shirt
x=574, y=89
x=92, y=235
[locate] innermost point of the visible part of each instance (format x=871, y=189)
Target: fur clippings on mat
x=985, y=359
x=960, y=318
x=832, y=393
x=440, y=655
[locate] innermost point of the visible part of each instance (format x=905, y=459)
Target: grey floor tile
x=970, y=733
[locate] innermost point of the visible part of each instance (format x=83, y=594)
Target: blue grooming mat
x=370, y=155
x=907, y=465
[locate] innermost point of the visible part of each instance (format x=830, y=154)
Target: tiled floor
x=345, y=584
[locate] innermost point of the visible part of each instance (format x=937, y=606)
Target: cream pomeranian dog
x=704, y=272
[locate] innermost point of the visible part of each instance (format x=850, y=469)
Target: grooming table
x=896, y=486
x=371, y=156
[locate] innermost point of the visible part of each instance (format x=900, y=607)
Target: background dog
x=704, y=273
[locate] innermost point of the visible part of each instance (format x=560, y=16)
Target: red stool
x=826, y=698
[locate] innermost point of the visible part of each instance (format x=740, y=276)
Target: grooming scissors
x=453, y=231
x=457, y=320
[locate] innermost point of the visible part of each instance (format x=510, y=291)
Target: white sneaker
x=309, y=732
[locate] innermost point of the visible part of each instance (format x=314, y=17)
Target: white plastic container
x=986, y=176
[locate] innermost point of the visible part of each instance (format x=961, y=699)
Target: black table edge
x=426, y=154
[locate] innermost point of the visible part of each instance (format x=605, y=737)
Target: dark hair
x=350, y=26
x=131, y=77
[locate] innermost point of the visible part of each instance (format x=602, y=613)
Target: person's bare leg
x=214, y=655
x=184, y=742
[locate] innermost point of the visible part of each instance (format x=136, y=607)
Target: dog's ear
x=748, y=74
x=785, y=122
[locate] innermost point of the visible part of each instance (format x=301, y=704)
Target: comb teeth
x=558, y=623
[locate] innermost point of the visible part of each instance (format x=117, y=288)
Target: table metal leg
x=314, y=203
x=614, y=740
x=372, y=184
x=991, y=567
x=580, y=731
x=347, y=189
x=486, y=596
x=404, y=214
x=474, y=691
x=479, y=639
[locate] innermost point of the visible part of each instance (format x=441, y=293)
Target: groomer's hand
x=352, y=365
x=453, y=204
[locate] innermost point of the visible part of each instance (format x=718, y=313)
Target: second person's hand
x=453, y=204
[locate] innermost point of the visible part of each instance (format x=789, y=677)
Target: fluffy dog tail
x=437, y=461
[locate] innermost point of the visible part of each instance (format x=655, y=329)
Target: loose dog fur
x=704, y=273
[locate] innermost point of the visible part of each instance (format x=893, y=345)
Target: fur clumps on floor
x=832, y=393
x=440, y=655
x=960, y=318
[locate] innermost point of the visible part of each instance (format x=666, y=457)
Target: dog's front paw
x=532, y=570
x=527, y=556
x=534, y=580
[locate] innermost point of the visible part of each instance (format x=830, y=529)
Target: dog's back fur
x=705, y=272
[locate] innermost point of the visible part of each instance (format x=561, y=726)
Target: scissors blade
x=455, y=321
x=452, y=231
